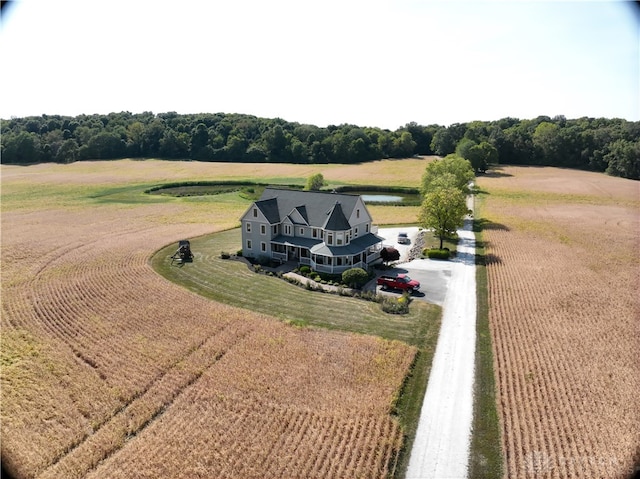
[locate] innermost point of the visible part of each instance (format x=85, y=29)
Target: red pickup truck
x=402, y=281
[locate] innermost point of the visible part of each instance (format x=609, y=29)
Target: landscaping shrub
x=305, y=270
x=394, y=305
x=389, y=254
x=355, y=277
x=369, y=296
x=438, y=253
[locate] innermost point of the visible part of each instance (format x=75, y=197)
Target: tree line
x=598, y=144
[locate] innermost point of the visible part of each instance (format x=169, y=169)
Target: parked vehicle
x=401, y=281
x=403, y=238
x=183, y=254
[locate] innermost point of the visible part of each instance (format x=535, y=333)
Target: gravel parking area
x=434, y=275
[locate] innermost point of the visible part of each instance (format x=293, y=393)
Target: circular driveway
x=434, y=275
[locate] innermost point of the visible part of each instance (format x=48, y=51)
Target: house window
x=358, y=213
x=274, y=229
x=366, y=228
x=263, y=229
x=287, y=230
x=301, y=231
x=339, y=238
x=329, y=238
x=263, y=246
x=356, y=232
x=249, y=244
x=248, y=227
x=314, y=232
x=255, y=212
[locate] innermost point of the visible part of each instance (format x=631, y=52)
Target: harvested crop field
x=109, y=370
x=563, y=265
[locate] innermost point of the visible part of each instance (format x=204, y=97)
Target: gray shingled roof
x=356, y=246
x=336, y=220
x=319, y=208
x=269, y=208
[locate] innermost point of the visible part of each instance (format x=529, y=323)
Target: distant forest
x=598, y=144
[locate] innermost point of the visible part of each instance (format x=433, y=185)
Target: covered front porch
x=360, y=253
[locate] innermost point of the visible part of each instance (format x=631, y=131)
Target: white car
x=403, y=238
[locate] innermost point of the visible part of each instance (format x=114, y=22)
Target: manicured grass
x=433, y=242
x=485, y=458
x=234, y=282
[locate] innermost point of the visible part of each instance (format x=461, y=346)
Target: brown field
x=108, y=370
x=563, y=263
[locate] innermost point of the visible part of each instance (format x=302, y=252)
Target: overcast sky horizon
x=370, y=63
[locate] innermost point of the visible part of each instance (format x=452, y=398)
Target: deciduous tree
x=480, y=155
x=315, y=182
x=453, y=164
x=443, y=210
x=624, y=159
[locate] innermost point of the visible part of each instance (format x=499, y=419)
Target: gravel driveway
x=441, y=446
x=434, y=275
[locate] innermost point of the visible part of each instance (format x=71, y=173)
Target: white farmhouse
x=330, y=232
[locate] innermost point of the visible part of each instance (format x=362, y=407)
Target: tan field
x=563, y=263
x=108, y=370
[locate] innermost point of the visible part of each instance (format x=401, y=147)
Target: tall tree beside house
x=460, y=169
x=443, y=211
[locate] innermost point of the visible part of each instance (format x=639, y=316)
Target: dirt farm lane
x=441, y=446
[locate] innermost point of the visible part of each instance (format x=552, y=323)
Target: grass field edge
x=414, y=388
x=485, y=455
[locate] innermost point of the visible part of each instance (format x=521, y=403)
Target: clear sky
x=369, y=63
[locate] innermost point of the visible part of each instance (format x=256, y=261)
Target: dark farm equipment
x=183, y=254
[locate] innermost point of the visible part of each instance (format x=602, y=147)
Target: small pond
x=372, y=197
x=252, y=191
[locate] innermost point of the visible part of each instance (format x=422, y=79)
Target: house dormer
x=299, y=215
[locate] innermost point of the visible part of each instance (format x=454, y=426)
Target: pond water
x=375, y=198
x=386, y=197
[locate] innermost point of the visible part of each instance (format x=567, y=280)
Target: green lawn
x=485, y=459
x=233, y=282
